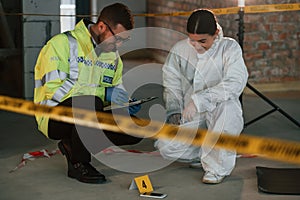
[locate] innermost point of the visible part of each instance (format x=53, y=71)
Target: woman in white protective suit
x=203, y=77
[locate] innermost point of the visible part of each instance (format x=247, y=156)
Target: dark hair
x=202, y=21
x=117, y=13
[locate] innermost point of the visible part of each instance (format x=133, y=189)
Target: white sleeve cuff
x=202, y=103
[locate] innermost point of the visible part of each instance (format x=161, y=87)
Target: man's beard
x=106, y=45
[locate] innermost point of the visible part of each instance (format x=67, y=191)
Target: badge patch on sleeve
x=107, y=79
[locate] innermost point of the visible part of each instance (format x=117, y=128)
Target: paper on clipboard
x=115, y=106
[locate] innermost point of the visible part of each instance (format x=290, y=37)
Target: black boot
x=83, y=172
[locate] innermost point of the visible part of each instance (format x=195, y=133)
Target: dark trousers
x=81, y=140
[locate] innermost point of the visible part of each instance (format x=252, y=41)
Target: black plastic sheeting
x=278, y=180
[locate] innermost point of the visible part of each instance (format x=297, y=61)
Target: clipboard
x=140, y=101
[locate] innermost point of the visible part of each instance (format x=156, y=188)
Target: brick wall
x=271, y=40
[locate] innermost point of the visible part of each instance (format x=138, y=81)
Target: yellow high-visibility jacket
x=69, y=66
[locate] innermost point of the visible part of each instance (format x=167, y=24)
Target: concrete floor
x=45, y=178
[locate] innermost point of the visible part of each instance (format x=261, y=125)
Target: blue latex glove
x=116, y=95
x=134, y=109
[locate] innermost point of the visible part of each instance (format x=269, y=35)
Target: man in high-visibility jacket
x=81, y=68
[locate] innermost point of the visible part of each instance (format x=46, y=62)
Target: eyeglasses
x=118, y=39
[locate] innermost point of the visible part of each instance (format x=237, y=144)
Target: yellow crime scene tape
x=217, y=11
x=234, y=10
x=275, y=149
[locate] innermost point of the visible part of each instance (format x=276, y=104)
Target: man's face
x=202, y=42
x=114, y=37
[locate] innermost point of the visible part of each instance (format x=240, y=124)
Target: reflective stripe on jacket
x=68, y=66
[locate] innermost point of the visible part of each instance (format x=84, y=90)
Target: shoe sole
x=63, y=151
x=95, y=180
x=212, y=182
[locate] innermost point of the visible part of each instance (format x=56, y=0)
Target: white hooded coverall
x=214, y=80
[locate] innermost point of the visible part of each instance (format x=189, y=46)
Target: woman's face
x=202, y=42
